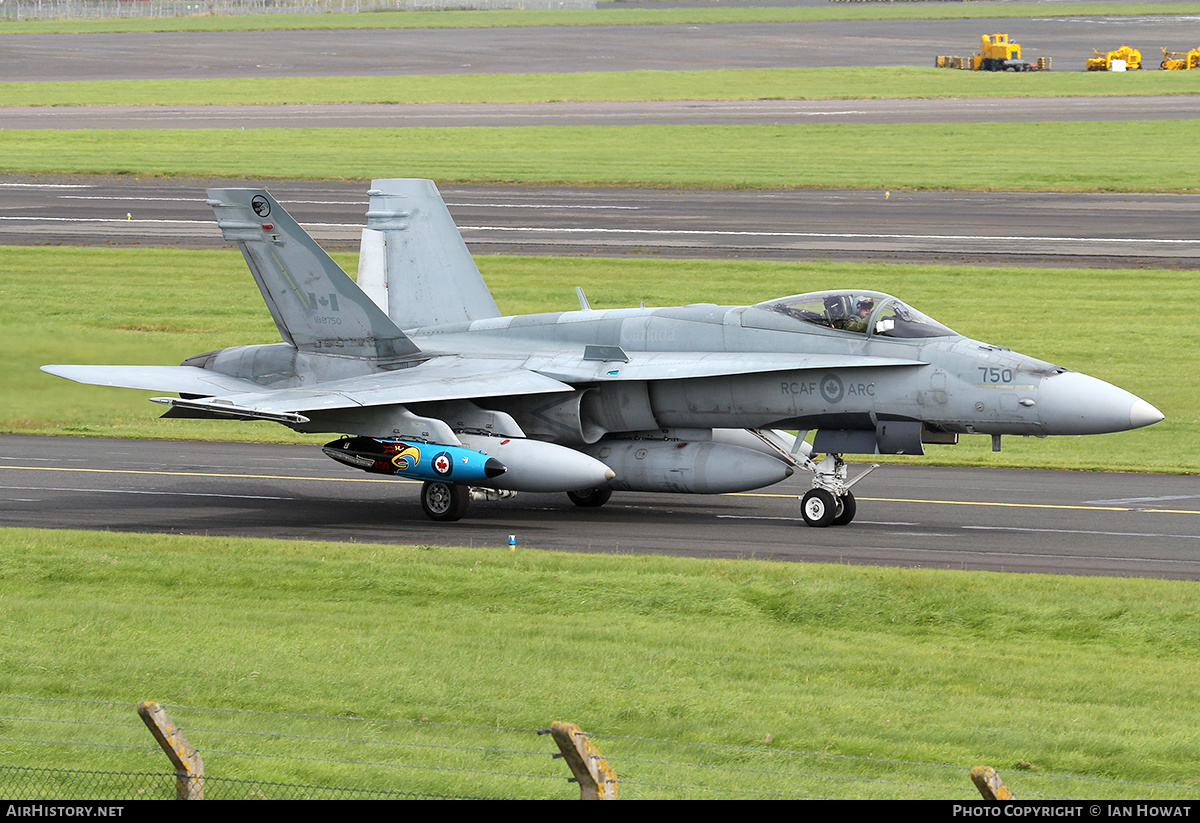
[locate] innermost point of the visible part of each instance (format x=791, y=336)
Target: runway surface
x=1088, y=523
x=1069, y=40
x=1022, y=228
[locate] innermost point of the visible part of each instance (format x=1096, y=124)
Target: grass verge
x=726, y=84
x=878, y=670
x=1030, y=156
x=158, y=306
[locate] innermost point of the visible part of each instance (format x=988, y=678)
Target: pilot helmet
x=864, y=304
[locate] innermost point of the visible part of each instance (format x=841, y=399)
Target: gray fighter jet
x=424, y=378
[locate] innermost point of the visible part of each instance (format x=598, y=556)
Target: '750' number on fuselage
x=991, y=374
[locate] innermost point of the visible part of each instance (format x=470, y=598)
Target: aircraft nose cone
x=1143, y=414
x=1074, y=403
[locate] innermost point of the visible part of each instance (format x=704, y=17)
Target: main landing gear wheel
x=444, y=502
x=590, y=498
x=818, y=507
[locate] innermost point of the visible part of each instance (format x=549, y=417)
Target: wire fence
x=86, y=9
x=272, y=755
x=19, y=783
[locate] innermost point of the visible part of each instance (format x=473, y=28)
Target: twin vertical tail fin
x=315, y=305
x=414, y=263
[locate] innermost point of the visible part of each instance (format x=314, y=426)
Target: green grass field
x=726, y=84
x=1032, y=156
x=1039, y=676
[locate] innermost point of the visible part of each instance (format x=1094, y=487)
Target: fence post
x=989, y=784
x=596, y=779
x=189, y=767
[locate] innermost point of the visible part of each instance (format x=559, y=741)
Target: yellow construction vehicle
x=1180, y=60
x=997, y=53
x=1124, y=58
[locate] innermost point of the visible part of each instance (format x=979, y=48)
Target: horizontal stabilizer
x=180, y=379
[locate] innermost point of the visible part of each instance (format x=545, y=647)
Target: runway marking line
x=139, y=491
x=212, y=474
x=662, y=232
x=734, y=494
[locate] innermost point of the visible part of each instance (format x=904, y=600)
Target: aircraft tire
x=444, y=502
x=818, y=508
x=849, y=509
x=590, y=498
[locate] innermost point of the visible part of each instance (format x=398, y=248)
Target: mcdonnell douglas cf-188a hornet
x=421, y=375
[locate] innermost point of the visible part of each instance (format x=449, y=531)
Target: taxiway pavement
x=1090, y=523
x=1068, y=40
x=1043, y=228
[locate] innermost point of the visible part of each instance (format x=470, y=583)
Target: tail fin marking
x=315, y=305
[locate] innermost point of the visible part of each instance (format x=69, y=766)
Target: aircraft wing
x=449, y=378
x=607, y=363
x=443, y=378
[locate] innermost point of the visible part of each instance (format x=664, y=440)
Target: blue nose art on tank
x=1074, y=403
x=416, y=460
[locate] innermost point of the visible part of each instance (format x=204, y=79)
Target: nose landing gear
x=830, y=502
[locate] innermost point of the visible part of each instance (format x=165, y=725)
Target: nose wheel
x=849, y=509
x=830, y=502
x=821, y=508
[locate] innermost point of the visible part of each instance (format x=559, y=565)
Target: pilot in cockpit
x=857, y=321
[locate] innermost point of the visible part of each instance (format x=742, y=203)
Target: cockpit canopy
x=862, y=312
